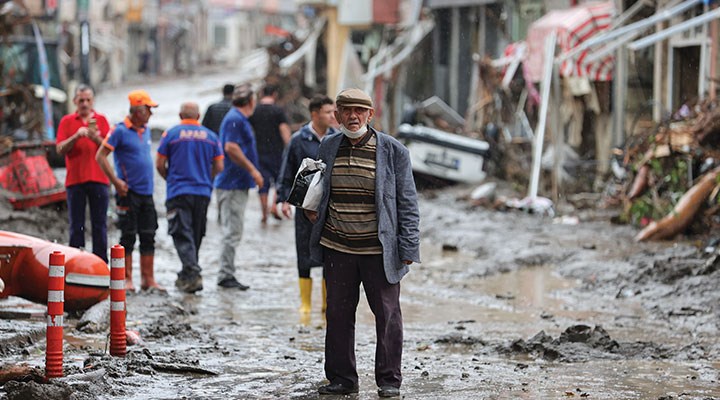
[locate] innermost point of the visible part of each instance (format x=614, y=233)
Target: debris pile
x=675, y=175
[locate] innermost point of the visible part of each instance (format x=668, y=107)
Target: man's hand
x=257, y=177
x=121, y=187
x=407, y=262
x=311, y=215
x=286, y=210
x=92, y=133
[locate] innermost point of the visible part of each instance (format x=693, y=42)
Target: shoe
x=389, y=391
x=232, y=283
x=337, y=388
x=191, y=285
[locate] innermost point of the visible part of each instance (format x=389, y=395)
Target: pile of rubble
x=675, y=175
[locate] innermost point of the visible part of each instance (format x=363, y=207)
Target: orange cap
x=141, y=98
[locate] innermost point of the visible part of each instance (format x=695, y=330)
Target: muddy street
x=504, y=305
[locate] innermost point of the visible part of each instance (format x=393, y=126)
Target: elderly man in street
x=189, y=157
x=305, y=143
x=79, y=136
x=133, y=180
x=240, y=174
x=366, y=231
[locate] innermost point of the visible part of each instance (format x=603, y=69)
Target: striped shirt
x=351, y=225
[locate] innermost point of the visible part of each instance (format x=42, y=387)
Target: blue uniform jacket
x=395, y=201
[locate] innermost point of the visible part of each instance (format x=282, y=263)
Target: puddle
x=512, y=297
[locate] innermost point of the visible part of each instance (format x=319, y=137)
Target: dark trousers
x=303, y=229
x=78, y=197
x=137, y=217
x=344, y=273
x=187, y=219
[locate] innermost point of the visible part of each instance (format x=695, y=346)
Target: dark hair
x=82, y=88
x=228, y=89
x=242, y=95
x=269, y=90
x=318, y=101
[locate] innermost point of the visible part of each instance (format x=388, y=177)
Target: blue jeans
x=97, y=196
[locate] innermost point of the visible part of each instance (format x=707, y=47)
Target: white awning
x=623, y=34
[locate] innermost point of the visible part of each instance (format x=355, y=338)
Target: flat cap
x=353, y=98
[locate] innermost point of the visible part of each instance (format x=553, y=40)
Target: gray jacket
x=395, y=201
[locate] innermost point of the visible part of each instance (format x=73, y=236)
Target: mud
x=504, y=305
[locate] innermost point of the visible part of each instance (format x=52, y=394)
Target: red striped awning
x=573, y=26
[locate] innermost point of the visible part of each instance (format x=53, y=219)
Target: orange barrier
x=28, y=179
x=118, y=339
x=55, y=310
x=24, y=269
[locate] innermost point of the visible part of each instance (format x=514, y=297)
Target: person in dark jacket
x=366, y=231
x=216, y=112
x=305, y=143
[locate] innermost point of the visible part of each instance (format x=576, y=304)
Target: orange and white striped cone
x=55, y=311
x=118, y=340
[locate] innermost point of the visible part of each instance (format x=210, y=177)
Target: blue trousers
x=97, y=196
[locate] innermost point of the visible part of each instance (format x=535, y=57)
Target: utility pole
x=82, y=16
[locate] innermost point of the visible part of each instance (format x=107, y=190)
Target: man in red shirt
x=79, y=136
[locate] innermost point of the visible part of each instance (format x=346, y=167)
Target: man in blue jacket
x=240, y=174
x=305, y=143
x=188, y=158
x=366, y=230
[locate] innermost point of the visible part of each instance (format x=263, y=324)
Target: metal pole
x=550, y=43
x=619, y=96
x=681, y=27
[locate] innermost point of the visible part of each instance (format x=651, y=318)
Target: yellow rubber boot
x=305, y=295
x=324, y=296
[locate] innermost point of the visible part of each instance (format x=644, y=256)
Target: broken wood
x=15, y=372
x=169, y=367
x=640, y=183
x=683, y=212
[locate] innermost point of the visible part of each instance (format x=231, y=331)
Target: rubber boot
x=147, y=274
x=305, y=295
x=129, y=286
x=324, y=296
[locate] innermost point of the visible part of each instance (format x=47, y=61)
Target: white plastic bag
x=307, y=188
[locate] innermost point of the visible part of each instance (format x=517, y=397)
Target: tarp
x=573, y=26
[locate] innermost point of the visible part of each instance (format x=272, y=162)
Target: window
x=220, y=36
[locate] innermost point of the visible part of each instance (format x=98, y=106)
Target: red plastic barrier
x=118, y=340
x=55, y=310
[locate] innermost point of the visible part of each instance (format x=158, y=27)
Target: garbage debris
x=672, y=186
